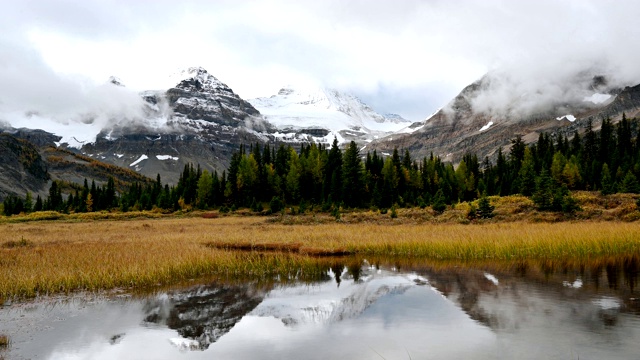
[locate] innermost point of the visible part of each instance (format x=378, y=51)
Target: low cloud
x=407, y=58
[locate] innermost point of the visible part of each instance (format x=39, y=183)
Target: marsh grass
x=494, y=241
x=18, y=243
x=146, y=253
x=98, y=215
x=5, y=342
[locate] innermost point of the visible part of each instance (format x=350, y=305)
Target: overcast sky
x=408, y=57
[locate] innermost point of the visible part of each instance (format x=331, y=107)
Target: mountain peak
x=324, y=113
x=196, y=78
x=115, y=81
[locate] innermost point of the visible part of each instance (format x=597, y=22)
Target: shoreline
x=67, y=256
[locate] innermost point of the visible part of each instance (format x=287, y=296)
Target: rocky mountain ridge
x=460, y=127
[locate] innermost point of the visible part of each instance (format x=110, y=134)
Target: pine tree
x=485, y=209
x=292, y=179
x=543, y=195
x=527, y=175
x=333, y=174
x=38, y=205
x=275, y=205
x=352, y=176
x=608, y=187
x=28, y=202
x=439, y=204
x=204, y=191
x=630, y=184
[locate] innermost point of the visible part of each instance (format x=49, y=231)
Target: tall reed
x=50, y=257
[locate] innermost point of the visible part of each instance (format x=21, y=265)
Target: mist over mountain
x=494, y=110
x=198, y=120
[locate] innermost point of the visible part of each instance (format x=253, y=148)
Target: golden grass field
x=46, y=257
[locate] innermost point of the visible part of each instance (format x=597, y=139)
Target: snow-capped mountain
x=320, y=114
x=204, y=314
x=326, y=302
x=198, y=120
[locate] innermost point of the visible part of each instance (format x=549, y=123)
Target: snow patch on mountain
x=597, y=98
x=487, y=126
x=568, y=117
x=141, y=158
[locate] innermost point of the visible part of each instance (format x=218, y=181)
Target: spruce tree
x=38, y=205
x=607, y=183
x=485, y=209
x=352, y=176
x=527, y=174
x=28, y=202
x=630, y=184
x=439, y=204
x=543, y=196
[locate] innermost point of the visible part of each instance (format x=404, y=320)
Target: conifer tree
x=439, y=204
x=630, y=184
x=607, y=183
x=527, y=175
x=28, y=202
x=204, y=191
x=485, y=209
x=352, y=176
x=38, y=205
x=543, y=195
x=333, y=174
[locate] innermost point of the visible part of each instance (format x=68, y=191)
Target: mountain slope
x=22, y=169
x=321, y=114
x=30, y=162
x=467, y=125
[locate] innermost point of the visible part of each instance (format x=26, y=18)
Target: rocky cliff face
x=22, y=169
x=461, y=127
x=200, y=96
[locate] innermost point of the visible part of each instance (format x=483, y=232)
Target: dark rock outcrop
x=203, y=97
x=22, y=169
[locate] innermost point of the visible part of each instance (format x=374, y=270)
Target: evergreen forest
x=270, y=179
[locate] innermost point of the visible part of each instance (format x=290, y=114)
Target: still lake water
x=513, y=311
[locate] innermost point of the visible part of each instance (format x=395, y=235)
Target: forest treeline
x=607, y=160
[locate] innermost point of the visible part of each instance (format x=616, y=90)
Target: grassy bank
x=53, y=256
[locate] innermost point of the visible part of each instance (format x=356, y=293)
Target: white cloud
x=381, y=50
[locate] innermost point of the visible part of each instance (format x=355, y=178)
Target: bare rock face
x=30, y=161
x=22, y=168
x=460, y=127
x=200, y=96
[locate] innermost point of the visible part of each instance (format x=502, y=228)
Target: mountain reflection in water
x=527, y=310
